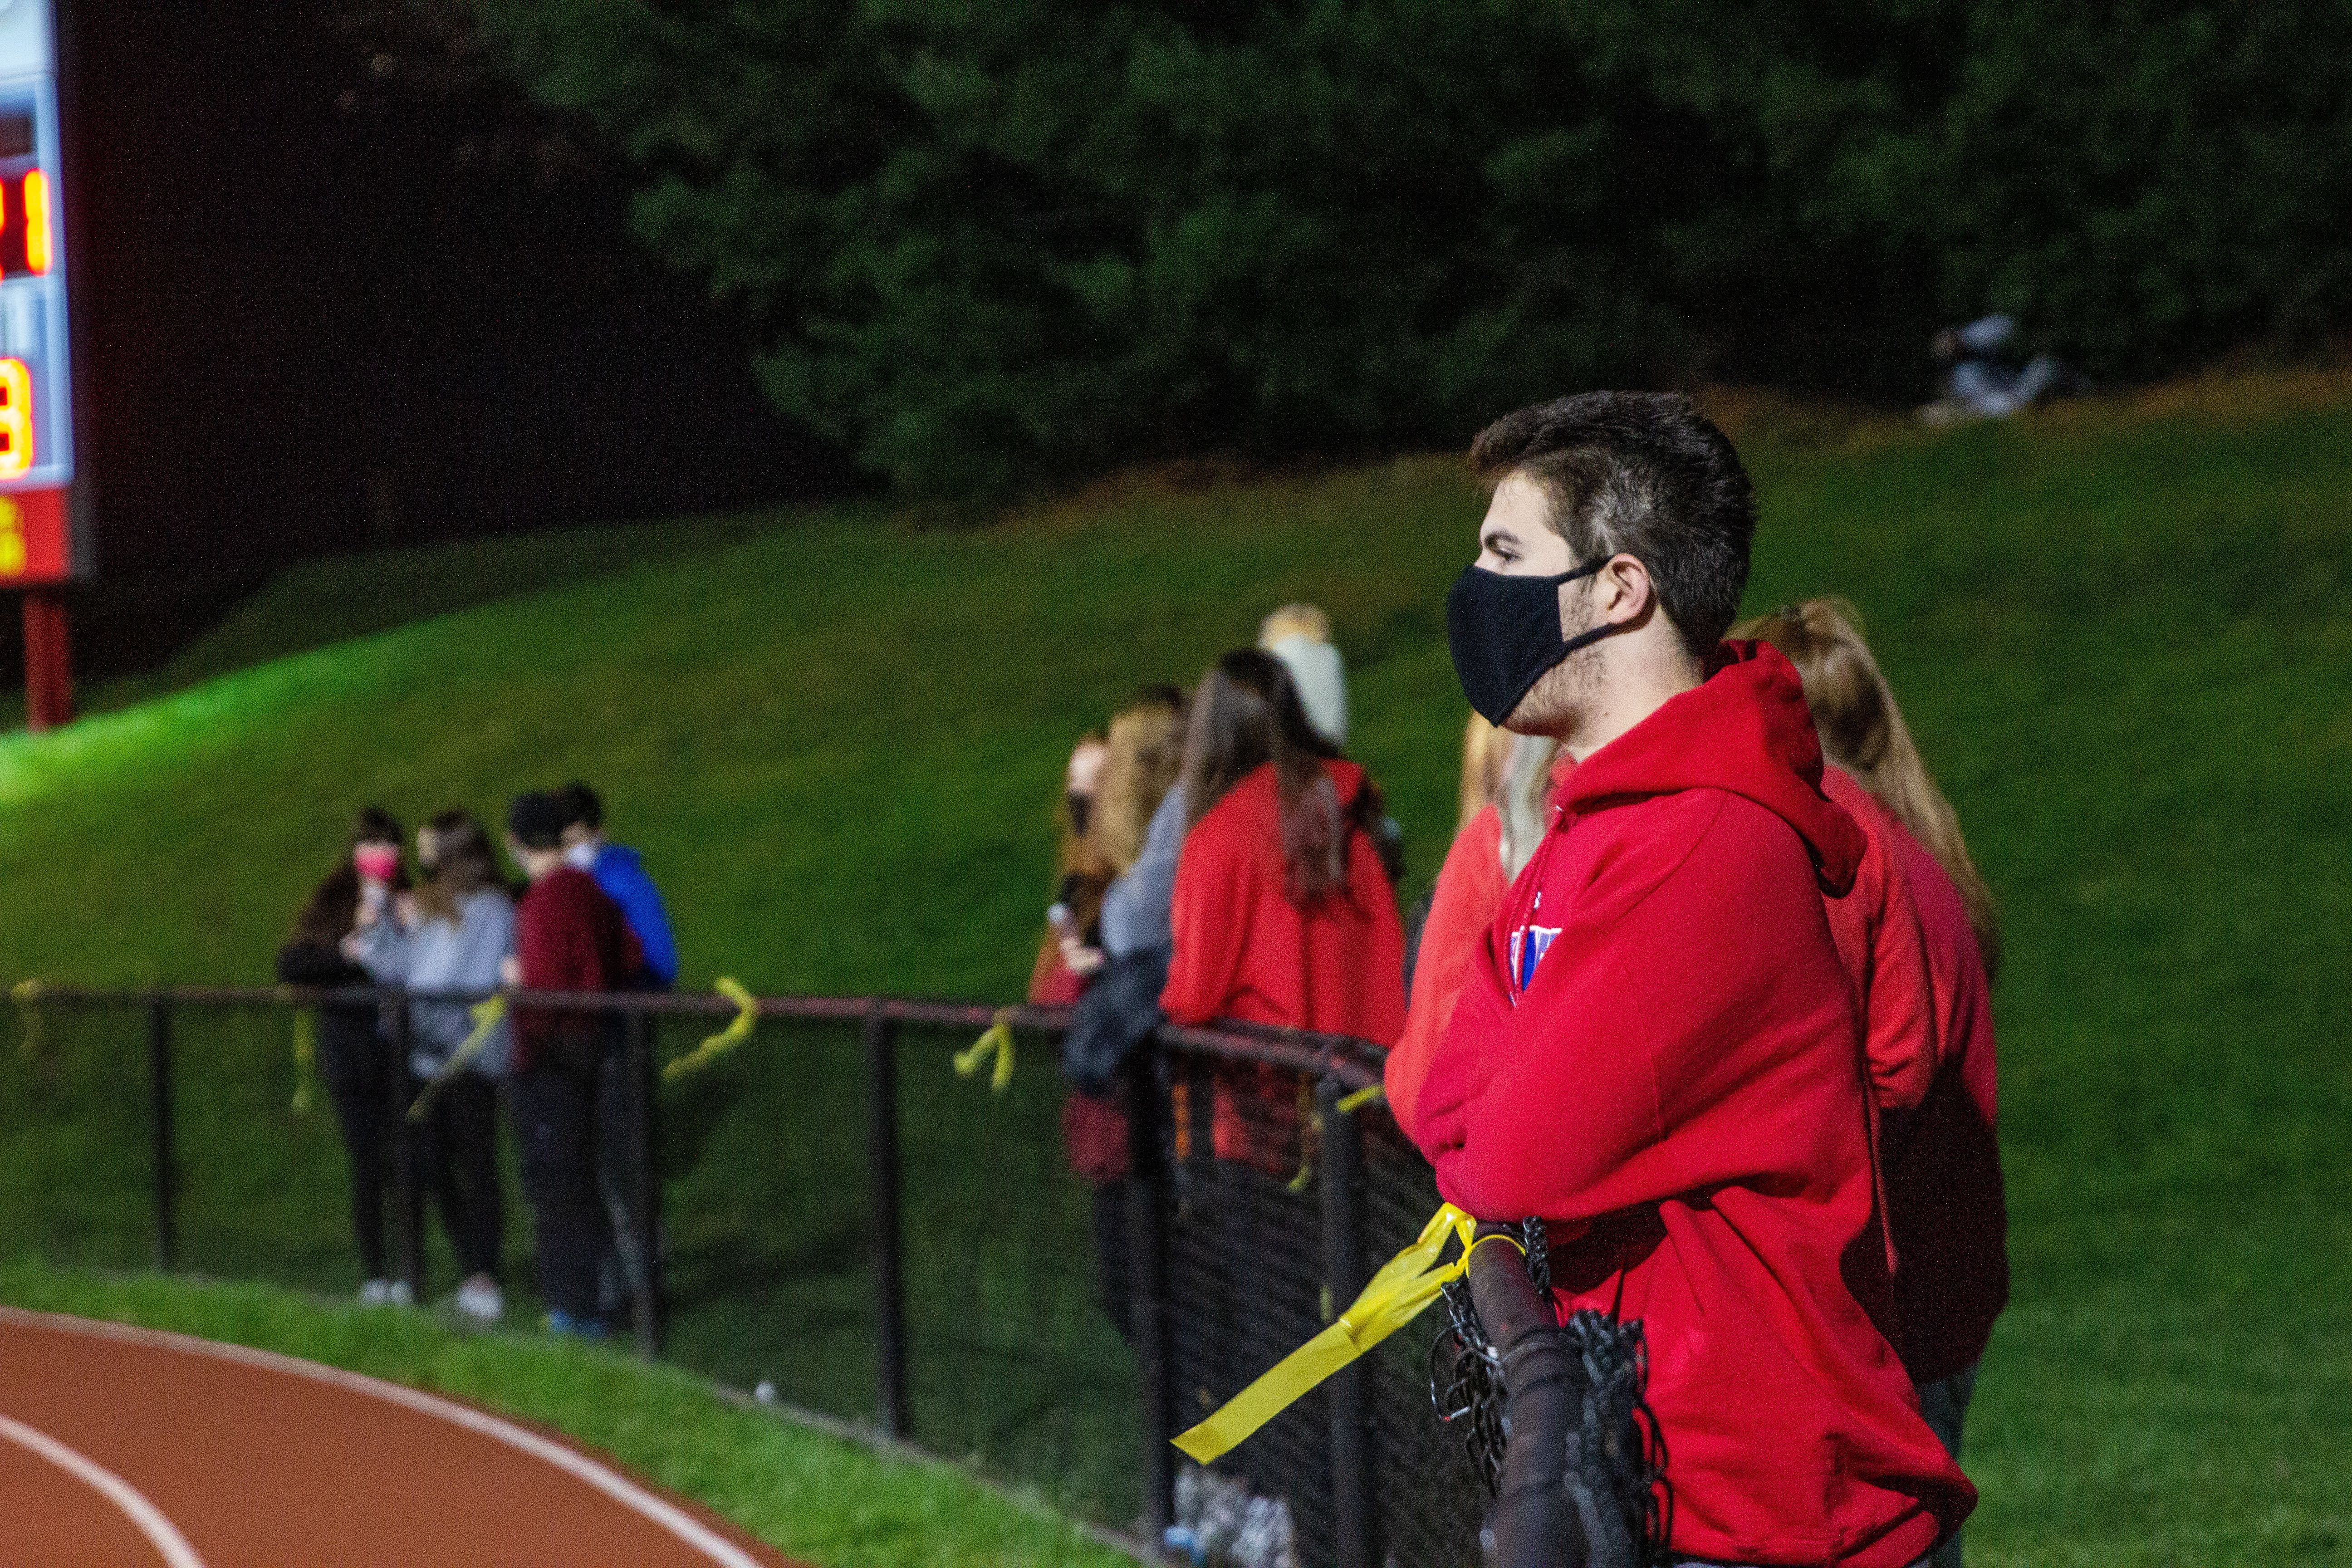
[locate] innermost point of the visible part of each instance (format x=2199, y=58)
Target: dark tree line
x=992, y=244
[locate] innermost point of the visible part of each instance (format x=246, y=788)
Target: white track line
x=660, y=1511
x=168, y=1542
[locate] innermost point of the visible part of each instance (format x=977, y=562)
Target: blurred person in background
x=1281, y=913
x=1126, y=968
x=631, y=1264
x=620, y=872
x=1300, y=636
x=1506, y=808
x=1945, y=1202
x=455, y=934
x=354, y=1058
x=569, y=936
x=1063, y=966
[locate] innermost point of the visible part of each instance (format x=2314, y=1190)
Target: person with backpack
x=1657, y=1057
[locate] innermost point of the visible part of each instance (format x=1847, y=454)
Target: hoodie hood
x=1745, y=729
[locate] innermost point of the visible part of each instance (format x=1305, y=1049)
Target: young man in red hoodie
x=1659, y=1053
x=569, y=936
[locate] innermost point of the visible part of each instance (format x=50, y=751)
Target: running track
x=124, y=1447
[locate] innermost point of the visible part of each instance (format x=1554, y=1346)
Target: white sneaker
x=399, y=1294
x=375, y=1293
x=481, y=1300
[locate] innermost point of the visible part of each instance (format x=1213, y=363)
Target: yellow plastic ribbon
x=306, y=1058
x=737, y=1030
x=485, y=1023
x=1401, y=1290
x=1352, y=1103
x=999, y=1040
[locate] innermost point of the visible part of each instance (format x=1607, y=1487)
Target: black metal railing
x=968, y=1233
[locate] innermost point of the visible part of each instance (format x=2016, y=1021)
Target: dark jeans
x=1113, y=1278
x=457, y=1154
x=357, y=1067
x=624, y=1268
x=554, y=1106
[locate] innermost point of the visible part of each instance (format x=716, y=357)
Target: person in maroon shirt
x=569, y=936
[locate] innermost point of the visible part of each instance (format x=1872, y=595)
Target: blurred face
x=1083, y=779
x=376, y=861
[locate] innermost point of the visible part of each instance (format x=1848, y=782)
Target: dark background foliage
x=991, y=244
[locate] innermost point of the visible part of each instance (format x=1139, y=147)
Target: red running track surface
x=125, y=1446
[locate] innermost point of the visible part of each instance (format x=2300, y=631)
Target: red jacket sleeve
x=1670, y=1040
x=1208, y=919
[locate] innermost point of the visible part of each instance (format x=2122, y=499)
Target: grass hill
x=2122, y=631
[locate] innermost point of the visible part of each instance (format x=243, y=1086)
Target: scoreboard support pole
x=49, y=660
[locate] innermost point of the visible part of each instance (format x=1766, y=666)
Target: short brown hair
x=1646, y=474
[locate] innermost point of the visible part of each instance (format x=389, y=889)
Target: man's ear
x=1623, y=592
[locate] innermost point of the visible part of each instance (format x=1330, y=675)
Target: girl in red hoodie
x=1944, y=1203
x=1282, y=912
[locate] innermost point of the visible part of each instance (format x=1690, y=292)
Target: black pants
x=457, y=1155
x=555, y=1122
x=631, y=1262
x=357, y=1067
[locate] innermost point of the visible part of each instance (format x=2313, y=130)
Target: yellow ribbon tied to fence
x=486, y=1025
x=1401, y=1290
x=998, y=1039
x=737, y=1030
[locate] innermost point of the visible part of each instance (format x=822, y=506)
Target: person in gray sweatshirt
x=453, y=934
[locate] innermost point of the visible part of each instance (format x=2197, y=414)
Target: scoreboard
x=38, y=537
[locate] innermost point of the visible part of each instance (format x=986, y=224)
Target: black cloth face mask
x=1503, y=633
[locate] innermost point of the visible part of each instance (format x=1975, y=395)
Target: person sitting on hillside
x=1942, y=1161
x=1982, y=377
x=620, y=872
x=353, y=1057
x=569, y=937
x=1505, y=807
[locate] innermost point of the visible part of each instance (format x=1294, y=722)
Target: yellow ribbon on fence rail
x=1401, y=1290
x=737, y=1030
x=486, y=1024
x=999, y=1039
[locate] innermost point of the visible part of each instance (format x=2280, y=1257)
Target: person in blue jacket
x=622, y=874
x=634, y=1262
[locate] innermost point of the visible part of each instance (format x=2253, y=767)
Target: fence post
x=1148, y=1203
x=644, y=1183
x=882, y=1160
x=408, y=1197
x=161, y=1150
x=1343, y=1274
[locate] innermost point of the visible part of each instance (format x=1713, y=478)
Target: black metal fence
x=843, y=1218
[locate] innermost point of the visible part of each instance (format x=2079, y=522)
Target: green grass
x=819, y=1498
x=2124, y=636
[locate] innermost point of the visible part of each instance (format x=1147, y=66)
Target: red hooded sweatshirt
x=1245, y=950
x=1944, y=1195
x=569, y=936
x=1660, y=1055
